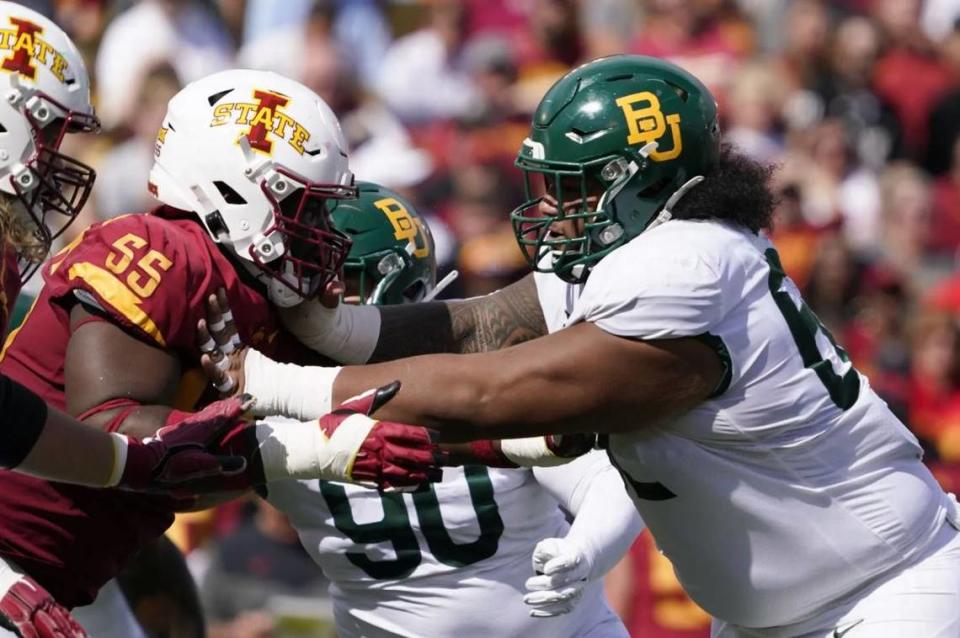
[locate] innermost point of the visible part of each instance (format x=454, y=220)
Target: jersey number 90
x=395, y=528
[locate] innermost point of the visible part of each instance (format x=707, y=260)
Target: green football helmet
x=392, y=258
x=616, y=142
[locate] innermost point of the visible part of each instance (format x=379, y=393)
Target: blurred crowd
x=857, y=102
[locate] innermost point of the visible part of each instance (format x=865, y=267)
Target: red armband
x=126, y=407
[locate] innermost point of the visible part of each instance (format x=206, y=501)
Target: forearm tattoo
x=508, y=317
x=505, y=318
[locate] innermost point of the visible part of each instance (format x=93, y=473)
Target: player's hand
x=221, y=348
x=562, y=571
x=379, y=453
x=31, y=611
x=177, y=458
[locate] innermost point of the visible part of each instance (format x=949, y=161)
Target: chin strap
x=666, y=214
x=443, y=283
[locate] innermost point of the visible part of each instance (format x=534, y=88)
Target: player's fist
x=179, y=457
x=31, y=611
x=388, y=455
x=562, y=571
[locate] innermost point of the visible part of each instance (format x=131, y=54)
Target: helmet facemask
x=51, y=188
x=602, y=198
x=310, y=252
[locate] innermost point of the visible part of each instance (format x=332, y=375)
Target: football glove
x=176, y=458
x=383, y=454
x=28, y=609
x=562, y=571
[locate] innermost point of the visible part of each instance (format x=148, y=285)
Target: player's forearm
x=41, y=441
x=361, y=334
x=495, y=395
x=54, y=455
x=580, y=379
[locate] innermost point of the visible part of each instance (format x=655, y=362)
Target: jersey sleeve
x=661, y=288
x=137, y=272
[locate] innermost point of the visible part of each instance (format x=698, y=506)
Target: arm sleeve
x=605, y=520
x=24, y=415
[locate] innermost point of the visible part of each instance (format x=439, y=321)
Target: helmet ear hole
x=229, y=195
x=415, y=291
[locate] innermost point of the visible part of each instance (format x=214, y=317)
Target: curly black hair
x=736, y=190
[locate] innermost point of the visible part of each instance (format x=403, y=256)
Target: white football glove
x=562, y=570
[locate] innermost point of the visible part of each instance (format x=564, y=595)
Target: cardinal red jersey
x=151, y=275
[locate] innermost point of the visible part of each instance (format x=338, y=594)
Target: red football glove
x=29, y=609
x=176, y=458
x=390, y=455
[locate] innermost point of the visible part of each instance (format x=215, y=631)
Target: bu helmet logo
x=405, y=227
x=646, y=123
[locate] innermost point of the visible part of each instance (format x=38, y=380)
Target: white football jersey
x=794, y=485
x=450, y=560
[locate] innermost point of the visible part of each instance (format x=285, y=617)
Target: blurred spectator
x=836, y=188
x=834, y=283
x=307, y=52
x=549, y=49
x=944, y=119
x=755, y=100
x=187, y=34
x=84, y=20
x=161, y=592
x=421, y=74
x=906, y=224
x=608, y=26
x=806, y=30
x=260, y=561
x=707, y=37
x=945, y=231
x=121, y=185
x=795, y=238
x=939, y=18
x=488, y=257
x=935, y=383
x=843, y=90
x=910, y=76
x=876, y=337
x=352, y=36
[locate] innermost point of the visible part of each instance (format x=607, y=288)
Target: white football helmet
x=256, y=156
x=45, y=95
